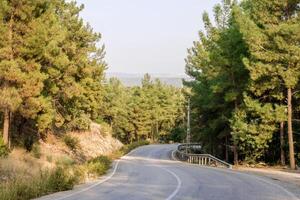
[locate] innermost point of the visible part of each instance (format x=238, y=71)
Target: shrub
x=36, y=150
x=80, y=123
x=44, y=183
x=71, y=142
x=3, y=149
x=60, y=180
x=99, y=165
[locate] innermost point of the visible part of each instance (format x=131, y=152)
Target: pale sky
x=146, y=36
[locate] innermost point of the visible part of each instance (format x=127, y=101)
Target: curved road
x=150, y=173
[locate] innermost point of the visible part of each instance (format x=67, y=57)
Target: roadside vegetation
x=245, y=87
x=153, y=111
x=25, y=179
x=53, y=91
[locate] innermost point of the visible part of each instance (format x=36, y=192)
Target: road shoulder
x=284, y=178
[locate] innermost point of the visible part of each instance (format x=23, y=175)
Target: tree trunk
x=235, y=155
x=235, y=148
x=6, y=123
x=226, y=149
x=282, y=153
x=6, y=114
x=290, y=130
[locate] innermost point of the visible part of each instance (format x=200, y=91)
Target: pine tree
x=75, y=67
x=271, y=30
x=215, y=62
x=20, y=69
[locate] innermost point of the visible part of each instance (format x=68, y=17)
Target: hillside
x=130, y=80
x=54, y=153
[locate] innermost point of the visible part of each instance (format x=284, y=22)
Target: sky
x=146, y=36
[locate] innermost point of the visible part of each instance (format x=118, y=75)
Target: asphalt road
x=150, y=173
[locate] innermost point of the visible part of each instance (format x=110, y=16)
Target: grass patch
x=71, y=142
x=28, y=185
x=3, y=148
x=65, y=161
x=99, y=165
x=46, y=182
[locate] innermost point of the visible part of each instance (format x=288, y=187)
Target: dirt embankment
x=97, y=141
x=54, y=151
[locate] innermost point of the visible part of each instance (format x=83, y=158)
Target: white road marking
x=99, y=182
x=173, y=157
x=260, y=179
x=179, y=183
x=253, y=176
x=94, y=185
x=273, y=184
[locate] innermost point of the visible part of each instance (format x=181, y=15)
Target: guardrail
x=183, y=154
x=193, y=147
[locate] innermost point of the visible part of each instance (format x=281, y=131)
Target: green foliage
x=150, y=111
x=54, y=80
x=71, y=142
x=99, y=165
x=241, y=67
x=219, y=79
x=60, y=180
x=44, y=183
x=3, y=149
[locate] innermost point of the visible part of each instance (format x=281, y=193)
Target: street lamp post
x=188, y=131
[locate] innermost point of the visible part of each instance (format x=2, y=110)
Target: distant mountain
x=135, y=79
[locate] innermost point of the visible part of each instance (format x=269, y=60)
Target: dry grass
x=55, y=167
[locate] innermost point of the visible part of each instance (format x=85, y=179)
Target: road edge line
x=94, y=185
x=179, y=183
x=101, y=181
x=291, y=194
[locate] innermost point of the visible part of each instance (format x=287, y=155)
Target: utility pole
x=188, y=131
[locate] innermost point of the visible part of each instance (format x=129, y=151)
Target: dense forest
x=52, y=80
x=51, y=71
x=152, y=111
x=245, y=88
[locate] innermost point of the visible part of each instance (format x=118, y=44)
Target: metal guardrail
x=193, y=147
x=183, y=154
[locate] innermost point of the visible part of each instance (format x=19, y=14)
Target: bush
x=99, y=165
x=44, y=183
x=71, y=142
x=80, y=123
x=3, y=149
x=60, y=180
x=36, y=150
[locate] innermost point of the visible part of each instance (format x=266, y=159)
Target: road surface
x=149, y=173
